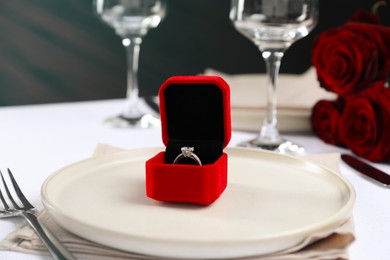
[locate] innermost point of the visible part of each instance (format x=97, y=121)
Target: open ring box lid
x=195, y=112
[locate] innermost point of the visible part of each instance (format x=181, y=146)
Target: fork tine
x=2, y=199
x=5, y=204
x=18, y=191
x=16, y=206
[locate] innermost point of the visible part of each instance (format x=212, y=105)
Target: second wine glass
x=131, y=20
x=273, y=25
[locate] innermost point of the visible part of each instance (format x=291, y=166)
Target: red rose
x=325, y=120
x=365, y=123
x=349, y=58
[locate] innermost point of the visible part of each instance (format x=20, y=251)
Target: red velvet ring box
x=195, y=112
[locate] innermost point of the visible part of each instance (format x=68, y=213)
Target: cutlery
x=11, y=208
x=366, y=169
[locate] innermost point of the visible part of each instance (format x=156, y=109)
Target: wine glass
x=131, y=20
x=273, y=25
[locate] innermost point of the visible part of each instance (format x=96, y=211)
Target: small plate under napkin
x=296, y=95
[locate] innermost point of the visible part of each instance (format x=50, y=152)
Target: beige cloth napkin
x=296, y=95
x=321, y=246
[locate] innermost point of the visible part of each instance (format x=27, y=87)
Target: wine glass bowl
x=273, y=26
x=132, y=19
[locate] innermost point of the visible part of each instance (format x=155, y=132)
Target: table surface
x=37, y=140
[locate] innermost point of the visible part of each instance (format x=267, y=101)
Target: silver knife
x=367, y=170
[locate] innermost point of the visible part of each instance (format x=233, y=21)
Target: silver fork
x=11, y=208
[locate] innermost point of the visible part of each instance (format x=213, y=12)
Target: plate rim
x=346, y=210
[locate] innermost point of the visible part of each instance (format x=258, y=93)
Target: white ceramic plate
x=272, y=202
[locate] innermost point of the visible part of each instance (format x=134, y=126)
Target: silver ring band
x=187, y=152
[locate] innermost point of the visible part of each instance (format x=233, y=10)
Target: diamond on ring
x=187, y=151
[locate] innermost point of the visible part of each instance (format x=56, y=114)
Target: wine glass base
x=284, y=147
x=144, y=121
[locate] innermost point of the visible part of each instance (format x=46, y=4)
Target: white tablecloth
x=37, y=140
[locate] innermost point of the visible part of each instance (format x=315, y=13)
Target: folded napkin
x=296, y=95
x=320, y=246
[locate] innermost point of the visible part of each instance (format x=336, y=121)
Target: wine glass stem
x=269, y=132
x=132, y=46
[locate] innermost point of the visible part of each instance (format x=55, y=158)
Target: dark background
x=59, y=51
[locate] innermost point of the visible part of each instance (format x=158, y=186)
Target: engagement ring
x=187, y=152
